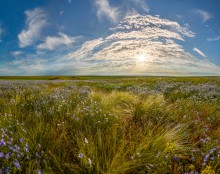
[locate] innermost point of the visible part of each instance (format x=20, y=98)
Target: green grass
x=124, y=78
x=110, y=126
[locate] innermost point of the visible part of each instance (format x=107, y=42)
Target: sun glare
x=141, y=58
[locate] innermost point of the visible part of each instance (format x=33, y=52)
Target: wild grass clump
x=83, y=127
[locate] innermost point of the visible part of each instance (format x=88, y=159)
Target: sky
x=110, y=37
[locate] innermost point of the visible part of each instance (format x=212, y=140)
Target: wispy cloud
x=1, y=33
x=199, y=52
x=34, y=65
x=69, y=1
x=36, y=20
x=16, y=53
x=61, y=12
x=53, y=42
x=216, y=38
x=142, y=4
x=156, y=39
x=104, y=9
x=203, y=14
x=29, y=65
x=87, y=49
x=147, y=35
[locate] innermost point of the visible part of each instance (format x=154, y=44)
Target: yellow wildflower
x=208, y=170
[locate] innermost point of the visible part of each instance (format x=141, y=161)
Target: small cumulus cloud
x=205, y=16
x=36, y=20
x=199, y=52
x=104, y=9
x=53, y=42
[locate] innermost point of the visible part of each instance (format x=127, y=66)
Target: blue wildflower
x=1, y=154
x=2, y=142
x=37, y=155
x=212, y=150
x=175, y=158
x=8, y=155
x=26, y=149
x=11, y=148
x=212, y=158
x=18, y=155
x=17, y=164
x=7, y=169
x=21, y=140
x=206, y=157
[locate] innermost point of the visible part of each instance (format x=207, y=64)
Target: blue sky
x=110, y=37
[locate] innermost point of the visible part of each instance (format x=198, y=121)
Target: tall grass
x=67, y=127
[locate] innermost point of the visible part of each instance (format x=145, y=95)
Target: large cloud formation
x=156, y=40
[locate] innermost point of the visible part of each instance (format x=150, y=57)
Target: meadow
x=110, y=125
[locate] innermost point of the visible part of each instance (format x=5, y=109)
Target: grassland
x=110, y=125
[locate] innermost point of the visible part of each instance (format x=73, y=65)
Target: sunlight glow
x=141, y=58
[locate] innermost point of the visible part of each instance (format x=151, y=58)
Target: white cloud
x=142, y=4
x=34, y=65
x=1, y=33
x=217, y=38
x=86, y=49
x=53, y=42
x=147, y=35
x=203, y=14
x=199, y=52
x=69, y=1
x=61, y=13
x=36, y=20
x=29, y=65
x=106, y=10
x=16, y=53
x=158, y=41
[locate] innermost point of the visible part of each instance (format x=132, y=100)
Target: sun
x=141, y=58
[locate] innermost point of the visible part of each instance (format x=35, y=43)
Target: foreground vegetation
x=110, y=125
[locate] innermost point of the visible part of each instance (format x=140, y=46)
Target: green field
x=144, y=78
x=109, y=125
